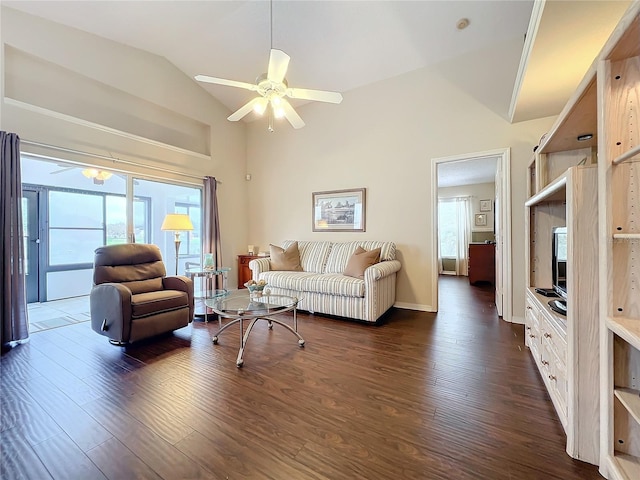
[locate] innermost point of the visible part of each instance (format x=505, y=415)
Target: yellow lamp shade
x=177, y=222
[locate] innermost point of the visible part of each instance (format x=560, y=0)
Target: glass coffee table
x=241, y=306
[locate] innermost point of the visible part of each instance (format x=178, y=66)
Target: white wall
x=87, y=93
x=383, y=137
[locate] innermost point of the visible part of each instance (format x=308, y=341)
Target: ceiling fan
x=273, y=88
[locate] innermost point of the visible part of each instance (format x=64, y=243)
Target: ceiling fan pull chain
x=271, y=23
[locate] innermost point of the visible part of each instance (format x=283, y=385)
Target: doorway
x=489, y=215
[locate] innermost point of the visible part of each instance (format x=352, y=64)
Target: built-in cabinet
x=565, y=347
x=585, y=175
x=619, y=210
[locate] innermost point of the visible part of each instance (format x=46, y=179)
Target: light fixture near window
x=98, y=176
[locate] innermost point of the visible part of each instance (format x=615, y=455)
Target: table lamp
x=177, y=222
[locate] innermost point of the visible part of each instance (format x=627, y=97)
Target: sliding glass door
x=170, y=198
x=68, y=215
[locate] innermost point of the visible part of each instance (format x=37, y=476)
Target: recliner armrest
x=183, y=284
x=110, y=306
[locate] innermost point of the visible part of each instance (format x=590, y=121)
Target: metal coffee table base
x=245, y=337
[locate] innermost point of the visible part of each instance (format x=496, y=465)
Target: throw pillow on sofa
x=360, y=261
x=285, y=260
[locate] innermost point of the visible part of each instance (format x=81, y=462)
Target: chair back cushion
x=138, y=266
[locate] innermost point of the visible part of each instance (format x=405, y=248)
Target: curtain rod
x=113, y=159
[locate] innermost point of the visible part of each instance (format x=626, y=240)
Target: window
x=76, y=226
x=454, y=233
x=448, y=228
x=193, y=244
x=166, y=198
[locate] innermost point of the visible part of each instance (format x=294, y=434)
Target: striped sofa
x=322, y=287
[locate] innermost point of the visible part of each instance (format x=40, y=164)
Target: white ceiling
x=343, y=45
x=467, y=172
x=334, y=45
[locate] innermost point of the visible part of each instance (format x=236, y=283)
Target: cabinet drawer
x=555, y=340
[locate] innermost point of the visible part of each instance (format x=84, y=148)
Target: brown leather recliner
x=132, y=298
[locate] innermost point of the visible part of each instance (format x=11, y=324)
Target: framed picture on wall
x=339, y=210
x=485, y=205
x=481, y=220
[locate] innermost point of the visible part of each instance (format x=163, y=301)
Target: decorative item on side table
x=177, y=222
x=208, y=261
x=339, y=210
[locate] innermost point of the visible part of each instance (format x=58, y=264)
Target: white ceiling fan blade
x=317, y=95
x=278, y=64
x=291, y=114
x=246, y=108
x=62, y=170
x=228, y=83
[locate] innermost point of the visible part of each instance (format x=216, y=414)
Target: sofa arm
x=381, y=270
x=182, y=284
x=110, y=306
x=258, y=266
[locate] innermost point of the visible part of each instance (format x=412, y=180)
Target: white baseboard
x=414, y=306
x=518, y=320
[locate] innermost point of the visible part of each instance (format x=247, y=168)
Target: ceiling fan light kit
x=98, y=176
x=273, y=88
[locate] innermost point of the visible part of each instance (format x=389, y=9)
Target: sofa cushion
x=285, y=259
x=330, y=284
x=313, y=255
x=151, y=303
x=360, y=261
x=342, y=251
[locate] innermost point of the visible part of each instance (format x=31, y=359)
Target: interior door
x=30, y=227
x=499, y=237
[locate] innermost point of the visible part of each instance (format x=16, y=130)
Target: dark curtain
x=13, y=298
x=212, y=225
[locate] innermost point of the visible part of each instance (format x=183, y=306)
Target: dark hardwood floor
x=422, y=396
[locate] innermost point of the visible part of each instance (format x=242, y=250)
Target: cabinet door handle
x=528, y=328
x=532, y=336
x=528, y=307
x=544, y=362
x=552, y=377
x=547, y=335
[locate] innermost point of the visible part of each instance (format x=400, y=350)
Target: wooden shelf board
x=577, y=118
x=554, y=191
x=628, y=155
x=626, y=236
x=626, y=328
x=626, y=464
x=623, y=42
x=630, y=398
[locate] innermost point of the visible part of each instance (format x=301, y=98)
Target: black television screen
x=559, y=261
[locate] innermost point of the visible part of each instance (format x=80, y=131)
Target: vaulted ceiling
x=343, y=45
x=542, y=48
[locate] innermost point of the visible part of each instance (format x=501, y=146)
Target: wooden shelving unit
x=618, y=72
x=565, y=348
